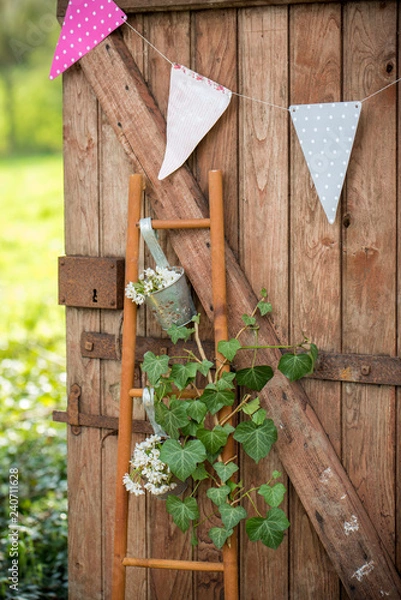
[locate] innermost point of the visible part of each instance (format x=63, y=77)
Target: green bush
x=32, y=377
x=32, y=382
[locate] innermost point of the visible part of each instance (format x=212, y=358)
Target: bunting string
x=326, y=131
x=251, y=98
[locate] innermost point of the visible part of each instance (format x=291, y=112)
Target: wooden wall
x=337, y=283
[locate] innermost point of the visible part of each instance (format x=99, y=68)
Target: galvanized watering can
x=173, y=304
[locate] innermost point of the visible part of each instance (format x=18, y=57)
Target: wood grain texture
x=398, y=391
x=170, y=34
x=303, y=445
x=214, y=42
x=136, y=6
x=369, y=318
x=315, y=289
x=81, y=237
x=263, y=188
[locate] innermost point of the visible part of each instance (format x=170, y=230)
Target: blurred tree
x=28, y=30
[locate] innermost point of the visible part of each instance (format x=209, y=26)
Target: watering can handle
x=149, y=236
x=149, y=406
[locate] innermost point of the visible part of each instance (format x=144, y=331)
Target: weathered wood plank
x=263, y=183
x=398, y=392
x=369, y=320
x=303, y=445
x=81, y=237
x=315, y=75
x=171, y=34
x=135, y=6
x=214, y=41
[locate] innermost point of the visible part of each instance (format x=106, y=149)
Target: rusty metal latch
x=91, y=282
x=77, y=420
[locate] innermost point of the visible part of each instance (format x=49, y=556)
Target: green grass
x=32, y=376
x=31, y=239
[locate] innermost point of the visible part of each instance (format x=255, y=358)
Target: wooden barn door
x=339, y=432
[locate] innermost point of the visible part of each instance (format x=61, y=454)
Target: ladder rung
x=138, y=393
x=181, y=224
x=180, y=565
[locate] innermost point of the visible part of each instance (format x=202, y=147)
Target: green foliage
x=32, y=381
x=32, y=376
x=269, y=530
x=255, y=378
x=256, y=439
x=219, y=536
x=30, y=115
x=182, y=511
x=182, y=460
x=199, y=430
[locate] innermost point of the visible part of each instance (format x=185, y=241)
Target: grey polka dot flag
x=326, y=133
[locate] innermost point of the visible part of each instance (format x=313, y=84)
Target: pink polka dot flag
x=86, y=24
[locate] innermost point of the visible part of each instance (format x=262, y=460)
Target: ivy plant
x=197, y=432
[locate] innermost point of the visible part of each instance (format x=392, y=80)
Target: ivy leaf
x=215, y=398
x=276, y=474
x=225, y=471
x=226, y=381
x=200, y=473
x=256, y=439
x=264, y=307
x=182, y=460
x=219, y=536
x=154, y=366
x=313, y=352
x=229, y=349
x=248, y=320
x=218, y=495
x=232, y=515
x=268, y=530
x=259, y=416
x=179, y=333
x=251, y=407
x=228, y=428
x=254, y=378
x=263, y=292
x=182, y=511
x=197, y=410
x=204, y=367
x=171, y=419
x=213, y=439
x=190, y=428
x=295, y=366
x=182, y=375
x=273, y=495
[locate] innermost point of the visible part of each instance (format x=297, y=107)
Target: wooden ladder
x=215, y=222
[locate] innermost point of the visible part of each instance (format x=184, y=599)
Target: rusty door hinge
x=91, y=282
x=331, y=366
x=77, y=420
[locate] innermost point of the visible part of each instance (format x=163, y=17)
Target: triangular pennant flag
x=86, y=24
x=326, y=133
x=195, y=104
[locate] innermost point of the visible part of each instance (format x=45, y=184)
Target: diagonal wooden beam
x=316, y=472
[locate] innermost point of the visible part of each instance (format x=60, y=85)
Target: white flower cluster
x=147, y=466
x=150, y=281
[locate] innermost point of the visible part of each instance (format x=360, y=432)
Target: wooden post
x=230, y=558
x=127, y=380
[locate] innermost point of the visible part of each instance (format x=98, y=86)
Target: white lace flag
x=195, y=104
x=326, y=133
